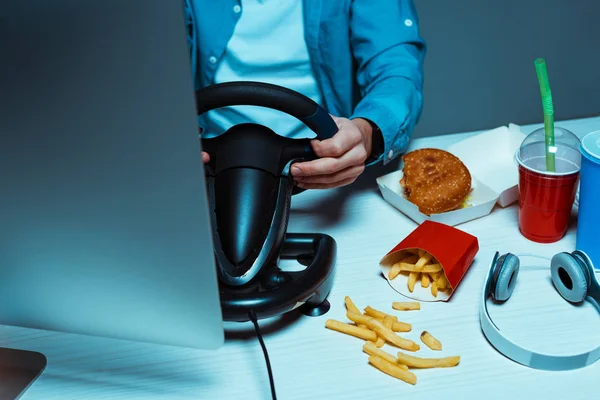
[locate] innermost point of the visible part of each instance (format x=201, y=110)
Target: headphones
x=574, y=279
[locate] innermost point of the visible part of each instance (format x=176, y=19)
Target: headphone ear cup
x=569, y=277
x=506, y=277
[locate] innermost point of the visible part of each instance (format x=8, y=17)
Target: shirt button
x=212, y=60
x=237, y=9
x=390, y=154
x=408, y=22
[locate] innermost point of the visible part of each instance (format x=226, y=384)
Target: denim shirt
x=367, y=57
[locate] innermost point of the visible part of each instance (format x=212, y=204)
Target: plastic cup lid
x=591, y=144
x=566, y=154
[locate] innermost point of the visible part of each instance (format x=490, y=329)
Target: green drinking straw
x=542, y=74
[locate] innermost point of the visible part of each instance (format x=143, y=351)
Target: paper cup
x=452, y=248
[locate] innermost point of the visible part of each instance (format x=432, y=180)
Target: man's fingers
x=320, y=166
x=346, y=138
x=329, y=165
x=350, y=172
x=327, y=185
x=205, y=157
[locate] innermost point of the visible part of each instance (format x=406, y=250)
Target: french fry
x=419, y=362
x=412, y=280
x=394, y=271
x=430, y=341
x=401, y=327
x=425, y=281
x=381, y=340
x=442, y=282
x=388, y=322
x=350, y=306
x=429, y=268
x=374, y=351
x=362, y=333
x=379, y=314
x=393, y=370
x=406, y=305
x=423, y=260
x=381, y=330
x=426, y=269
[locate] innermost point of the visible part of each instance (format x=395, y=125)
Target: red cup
x=545, y=204
x=548, y=175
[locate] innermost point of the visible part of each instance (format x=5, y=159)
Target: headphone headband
x=261, y=94
x=520, y=354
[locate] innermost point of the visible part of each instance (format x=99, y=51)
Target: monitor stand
x=18, y=370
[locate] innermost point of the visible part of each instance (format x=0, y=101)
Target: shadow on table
x=329, y=209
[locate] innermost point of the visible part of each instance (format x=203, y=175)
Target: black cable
x=252, y=316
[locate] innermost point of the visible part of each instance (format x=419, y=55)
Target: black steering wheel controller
x=249, y=188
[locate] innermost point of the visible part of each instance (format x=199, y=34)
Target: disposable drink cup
x=588, y=222
x=546, y=196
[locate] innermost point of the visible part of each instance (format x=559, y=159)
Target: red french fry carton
x=452, y=251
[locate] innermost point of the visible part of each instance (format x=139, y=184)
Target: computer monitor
x=103, y=210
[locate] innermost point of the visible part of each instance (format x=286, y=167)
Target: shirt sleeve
x=389, y=53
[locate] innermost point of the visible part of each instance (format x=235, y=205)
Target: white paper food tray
x=489, y=156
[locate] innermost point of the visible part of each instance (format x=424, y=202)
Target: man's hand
x=342, y=157
x=205, y=157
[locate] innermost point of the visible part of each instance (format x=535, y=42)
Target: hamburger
x=435, y=180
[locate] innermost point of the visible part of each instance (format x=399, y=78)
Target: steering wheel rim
x=247, y=93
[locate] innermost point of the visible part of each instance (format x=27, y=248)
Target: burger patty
x=435, y=180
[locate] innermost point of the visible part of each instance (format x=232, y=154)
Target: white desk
x=311, y=362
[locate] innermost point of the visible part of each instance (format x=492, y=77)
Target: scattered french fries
x=401, y=327
x=350, y=306
x=389, y=323
x=343, y=327
x=419, y=362
x=430, y=341
x=379, y=314
x=380, y=342
x=397, y=326
x=374, y=351
x=381, y=330
x=422, y=267
x=378, y=328
x=393, y=369
x=406, y=305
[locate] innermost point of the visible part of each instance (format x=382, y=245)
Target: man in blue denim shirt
x=362, y=60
